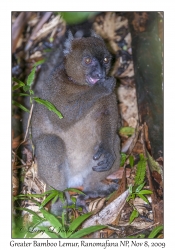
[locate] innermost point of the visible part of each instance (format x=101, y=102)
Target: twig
x=28, y=123
x=19, y=158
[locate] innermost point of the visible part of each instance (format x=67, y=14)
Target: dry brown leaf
x=109, y=213
x=139, y=22
x=29, y=156
x=16, y=141
x=48, y=27
x=96, y=205
x=17, y=28
x=118, y=174
x=15, y=183
x=129, y=72
x=107, y=25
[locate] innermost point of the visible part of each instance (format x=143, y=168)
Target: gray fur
x=82, y=148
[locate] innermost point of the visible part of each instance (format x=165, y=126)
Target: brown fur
x=66, y=148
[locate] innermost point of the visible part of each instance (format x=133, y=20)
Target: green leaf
x=51, y=39
x=28, y=196
x=122, y=159
x=73, y=199
x=51, y=234
x=145, y=191
x=31, y=91
x=57, y=193
x=19, y=229
x=39, y=62
x=17, y=86
x=61, y=196
x=143, y=198
x=26, y=88
x=74, y=190
x=48, y=105
x=77, y=222
x=154, y=165
x=23, y=94
x=52, y=195
x=55, y=199
x=49, y=198
x=140, y=187
x=86, y=231
x=141, y=171
x=126, y=131
x=77, y=17
x=20, y=106
x=131, y=160
x=47, y=50
x=155, y=231
x=53, y=221
x=130, y=189
x=63, y=218
x=18, y=81
x=31, y=76
x=134, y=215
x=29, y=211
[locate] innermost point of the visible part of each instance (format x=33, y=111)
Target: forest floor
x=34, y=34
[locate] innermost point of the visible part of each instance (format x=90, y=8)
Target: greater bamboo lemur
x=82, y=148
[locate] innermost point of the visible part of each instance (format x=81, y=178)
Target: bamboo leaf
x=17, y=86
x=53, y=221
x=74, y=190
x=48, y=105
x=39, y=62
x=130, y=189
x=131, y=160
x=86, y=231
x=141, y=171
x=31, y=92
x=28, y=196
x=140, y=187
x=127, y=131
x=134, y=215
x=55, y=199
x=31, y=76
x=155, y=231
x=51, y=234
x=131, y=196
x=23, y=94
x=145, y=191
x=122, y=159
x=77, y=222
x=20, y=106
x=26, y=88
x=29, y=211
x=49, y=198
x=143, y=198
x=77, y=17
x=18, y=81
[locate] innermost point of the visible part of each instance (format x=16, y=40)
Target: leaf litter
x=41, y=32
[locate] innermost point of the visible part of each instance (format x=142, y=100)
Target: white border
x=5, y=72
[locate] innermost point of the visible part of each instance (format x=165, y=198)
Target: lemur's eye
x=88, y=60
x=106, y=60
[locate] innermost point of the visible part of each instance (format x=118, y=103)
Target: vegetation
x=137, y=190
x=45, y=222
x=26, y=87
